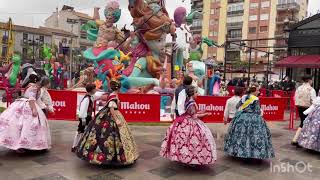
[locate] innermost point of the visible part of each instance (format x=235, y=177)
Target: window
x=263, y=28
x=234, y=19
x=235, y=33
x=213, y=33
x=41, y=39
x=286, y=1
x=253, y=18
x=213, y=22
x=197, y=23
x=83, y=35
x=4, y=51
x=265, y=4
x=212, y=11
x=264, y=16
x=5, y=39
x=254, y=5
x=262, y=42
x=252, y=29
x=25, y=36
x=24, y=52
x=235, y=7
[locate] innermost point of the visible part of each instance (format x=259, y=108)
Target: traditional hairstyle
x=44, y=81
x=306, y=78
x=252, y=89
x=33, y=78
x=238, y=91
x=190, y=91
x=90, y=87
x=187, y=80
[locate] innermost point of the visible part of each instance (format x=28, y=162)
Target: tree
x=238, y=64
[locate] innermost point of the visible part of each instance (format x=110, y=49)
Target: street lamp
x=226, y=46
x=33, y=43
x=286, y=30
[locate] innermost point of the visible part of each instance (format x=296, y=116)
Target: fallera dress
x=105, y=142
x=19, y=129
x=248, y=135
x=188, y=140
x=310, y=133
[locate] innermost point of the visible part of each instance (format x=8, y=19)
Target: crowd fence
x=157, y=108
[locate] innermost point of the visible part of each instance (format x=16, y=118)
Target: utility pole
x=268, y=93
x=173, y=55
x=249, y=69
x=33, y=47
x=226, y=45
x=72, y=22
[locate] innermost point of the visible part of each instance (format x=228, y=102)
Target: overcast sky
x=34, y=12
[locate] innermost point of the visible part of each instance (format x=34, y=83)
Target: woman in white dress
x=24, y=125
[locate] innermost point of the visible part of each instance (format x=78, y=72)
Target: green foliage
x=238, y=64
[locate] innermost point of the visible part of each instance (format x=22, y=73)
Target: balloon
x=16, y=59
x=47, y=52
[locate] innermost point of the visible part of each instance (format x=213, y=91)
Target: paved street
x=60, y=164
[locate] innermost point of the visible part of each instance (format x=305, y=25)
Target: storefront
x=303, y=50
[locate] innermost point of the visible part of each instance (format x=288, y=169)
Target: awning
x=263, y=72
x=307, y=61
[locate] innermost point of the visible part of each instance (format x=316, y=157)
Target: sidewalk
x=60, y=164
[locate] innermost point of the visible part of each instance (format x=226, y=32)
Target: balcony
x=26, y=42
x=235, y=13
x=234, y=36
x=235, y=1
x=234, y=25
x=195, y=28
x=279, y=34
x=288, y=6
x=281, y=44
x=281, y=20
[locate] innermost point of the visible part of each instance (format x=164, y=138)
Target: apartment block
x=68, y=19
x=247, y=19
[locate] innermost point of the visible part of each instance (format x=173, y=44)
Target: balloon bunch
x=47, y=66
x=47, y=52
x=16, y=60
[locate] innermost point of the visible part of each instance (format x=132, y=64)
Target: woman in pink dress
x=23, y=125
x=188, y=139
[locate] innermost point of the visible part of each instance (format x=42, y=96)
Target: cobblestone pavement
x=60, y=164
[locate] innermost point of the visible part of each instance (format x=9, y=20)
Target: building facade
x=248, y=19
x=303, y=51
x=69, y=20
x=26, y=40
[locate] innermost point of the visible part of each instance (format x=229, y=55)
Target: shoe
x=294, y=143
x=74, y=149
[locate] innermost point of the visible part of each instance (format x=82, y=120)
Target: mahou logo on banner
x=214, y=105
x=273, y=108
x=64, y=104
x=140, y=107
